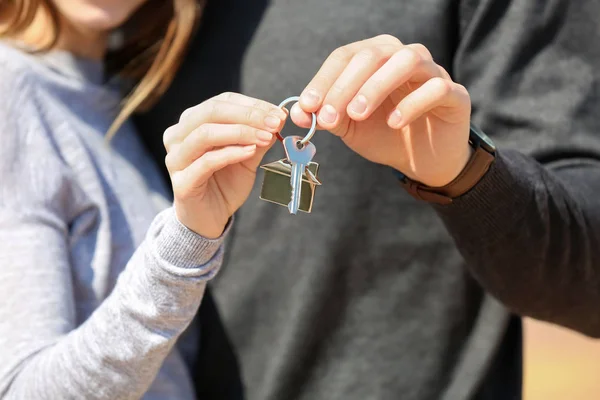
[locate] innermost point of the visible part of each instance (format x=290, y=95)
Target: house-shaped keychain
x=276, y=187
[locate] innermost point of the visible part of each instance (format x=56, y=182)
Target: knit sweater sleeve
x=530, y=231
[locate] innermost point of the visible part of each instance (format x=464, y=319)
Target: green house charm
x=276, y=186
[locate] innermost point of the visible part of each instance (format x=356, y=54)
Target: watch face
x=484, y=141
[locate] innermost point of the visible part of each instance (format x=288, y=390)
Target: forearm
x=117, y=352
x=531, y=236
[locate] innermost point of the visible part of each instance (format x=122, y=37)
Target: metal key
x=299, y=156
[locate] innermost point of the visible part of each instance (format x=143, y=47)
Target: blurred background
x=560, y=364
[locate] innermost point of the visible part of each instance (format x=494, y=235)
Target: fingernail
x=359, y=104
x=396, y=119
x=272, y=122
x=264, y=136
x=328, y=114
x=250, y=149
x=311, y=98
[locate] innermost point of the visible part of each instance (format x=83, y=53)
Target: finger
x=448, y=100
x=426, y=55
x=360, y=68
x=313, y=95
x=238, y=98
x=188, y=182
x=253, y=162
x=209, y=136
x=302, y=118
x=235, y=98
x=406, y=65
x=278, y=134
x=221, y=112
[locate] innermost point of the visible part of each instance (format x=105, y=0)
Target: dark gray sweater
x=369, y=297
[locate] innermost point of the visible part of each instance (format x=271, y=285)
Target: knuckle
x=369, y=54
x=208, y=162
x=186, y=113
x=203, y=134
x=463, y=93
x=257, y=103
x=443, y=72
x=233, y=98
x=422, y=50
x=335, y=92
x=241, y=132
x=340, y=54
x=248, y=114
x=168, y=136
x=441, y=85
x=376, y=85
x=412, y=57
x=253, y=115
x=321, y=82
x=171, y=162
x=225, y=96
x=387, y=38
x=214, y=110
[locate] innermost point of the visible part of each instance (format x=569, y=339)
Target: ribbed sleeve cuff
x=177, y=247
x=496, y=204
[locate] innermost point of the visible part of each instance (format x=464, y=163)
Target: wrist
x=209, y=226
x=479, y=159
x=453, y=169
x=439, y=174
x=176, y=246
x=208, y=232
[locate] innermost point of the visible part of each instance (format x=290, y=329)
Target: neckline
x=82, y=69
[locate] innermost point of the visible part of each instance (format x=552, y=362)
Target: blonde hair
x=159, y=34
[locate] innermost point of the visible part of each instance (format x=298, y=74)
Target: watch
x=480, y=162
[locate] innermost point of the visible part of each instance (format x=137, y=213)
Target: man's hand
x=392, y=104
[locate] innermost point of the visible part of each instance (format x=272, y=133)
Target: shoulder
x=17, y=70
x=29, y=158
x=18, y=78
x=18, y=113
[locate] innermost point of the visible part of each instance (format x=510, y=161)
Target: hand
x=392, y=104
x=212, y=157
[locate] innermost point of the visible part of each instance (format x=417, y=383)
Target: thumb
x=304, y=120
x=300, y=117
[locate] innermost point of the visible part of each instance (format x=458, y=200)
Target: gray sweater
x=373, y=295
x=96, y=289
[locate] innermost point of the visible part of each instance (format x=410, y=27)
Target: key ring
x=313, y=127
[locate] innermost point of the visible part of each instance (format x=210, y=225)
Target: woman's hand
x=392, y=104
x=212, y=157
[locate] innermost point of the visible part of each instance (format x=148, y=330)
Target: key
x=299, y=156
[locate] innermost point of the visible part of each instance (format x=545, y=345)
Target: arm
x=531, y=233
x=531, y=69
x=118, y=350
